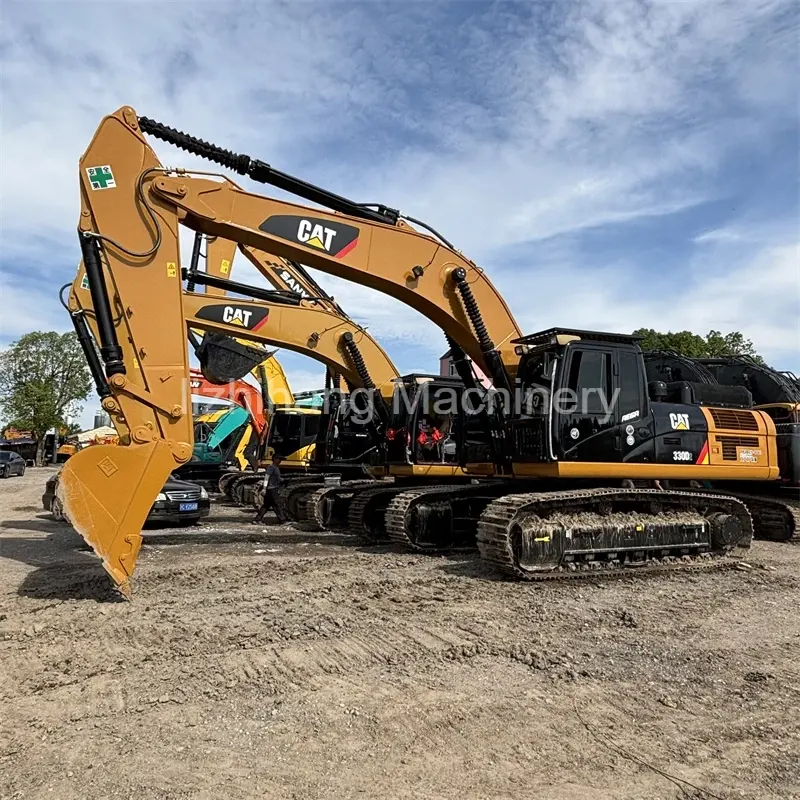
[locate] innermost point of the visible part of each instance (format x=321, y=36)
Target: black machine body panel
x=588, y=401
x=351, y=432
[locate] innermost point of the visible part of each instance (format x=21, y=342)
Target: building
x=448, y=368
x=101, y=419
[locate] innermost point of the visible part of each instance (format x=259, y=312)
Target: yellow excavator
x=343, y=446
x=292, y=427
x=569, y=484
x=301, y=434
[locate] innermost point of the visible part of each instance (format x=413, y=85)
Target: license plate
x=188, y=506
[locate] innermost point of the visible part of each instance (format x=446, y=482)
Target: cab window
x=590, y=379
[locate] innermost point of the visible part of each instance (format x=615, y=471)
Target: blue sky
x=610, y=164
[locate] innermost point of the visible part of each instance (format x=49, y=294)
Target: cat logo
x=237, y=316
x=315, y=235
x=679, y=422
x=250, y=318
x=334, y=238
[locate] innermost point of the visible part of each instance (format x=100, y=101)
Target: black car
x=11, y=464
x=178, y=501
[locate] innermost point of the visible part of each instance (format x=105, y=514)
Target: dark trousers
x=270, y=504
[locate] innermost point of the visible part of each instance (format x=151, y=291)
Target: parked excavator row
x=557, y=494
x=348, y=446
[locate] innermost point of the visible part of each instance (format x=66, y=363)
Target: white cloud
x=25, y=311
x=505, y=127
x=756, y=292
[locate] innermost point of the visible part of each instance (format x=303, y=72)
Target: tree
x=71, y=429
x=713, y=345
x=43, y=376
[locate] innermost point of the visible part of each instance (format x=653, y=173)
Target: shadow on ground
x=65, y=568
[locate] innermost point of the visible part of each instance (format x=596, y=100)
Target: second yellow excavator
x=346, y=444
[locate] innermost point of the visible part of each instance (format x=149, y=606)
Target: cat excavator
x=567, y=488
x=775, y=506
x=323, y=439
x=293, y=427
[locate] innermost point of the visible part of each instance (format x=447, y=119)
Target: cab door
x=635, y=432
x=584, y=420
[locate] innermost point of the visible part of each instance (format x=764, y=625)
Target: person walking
x=272, y=482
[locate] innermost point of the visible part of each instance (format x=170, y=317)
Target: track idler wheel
x=726, y=530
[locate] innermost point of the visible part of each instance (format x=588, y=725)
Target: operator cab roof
x=561, y=336
x=422, y=377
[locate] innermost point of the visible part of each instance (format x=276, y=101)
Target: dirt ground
x=271, y=663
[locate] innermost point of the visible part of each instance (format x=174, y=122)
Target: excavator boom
x=372, y=248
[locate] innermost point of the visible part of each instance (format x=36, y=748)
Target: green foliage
x=713, y=345
x=43, y=376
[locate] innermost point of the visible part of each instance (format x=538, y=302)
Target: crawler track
x=225, y=481
x=236, y=487
x=367, y=512
x=317, y=509
x=291, y=496
x=439, y=518
x=550, y=526
x=774, y=517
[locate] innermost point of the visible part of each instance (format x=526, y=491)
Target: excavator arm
x=144, y=357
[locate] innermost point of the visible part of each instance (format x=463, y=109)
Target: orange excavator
x=570, y=442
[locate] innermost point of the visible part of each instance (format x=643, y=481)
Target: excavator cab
x=292, y=432
x=350, y=432
x=586, y=399
x=427, y=423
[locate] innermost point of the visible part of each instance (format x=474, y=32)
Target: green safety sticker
x=85, y=281
x=101, y=177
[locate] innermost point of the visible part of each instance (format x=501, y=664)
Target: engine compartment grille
x=730, y=443
x=734, y=420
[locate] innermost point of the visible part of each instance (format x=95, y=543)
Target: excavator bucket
x=106, y=493
x=222, y=359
